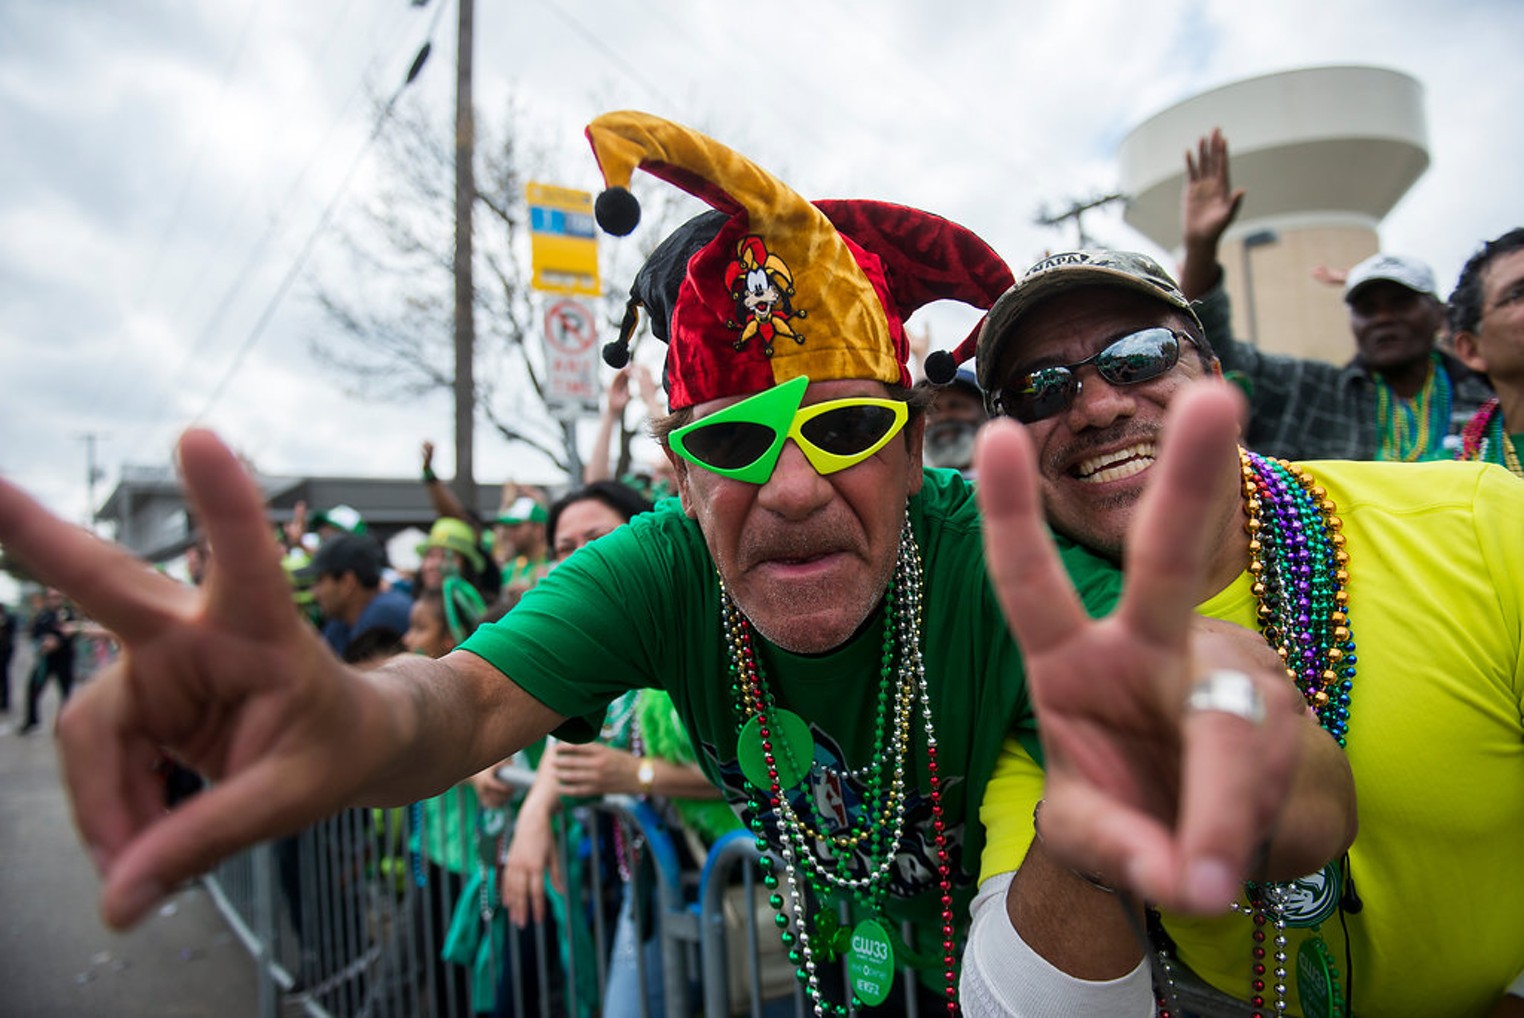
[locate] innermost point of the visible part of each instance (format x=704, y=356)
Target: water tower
x=1324, y=153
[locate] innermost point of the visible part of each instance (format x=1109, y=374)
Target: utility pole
x=93, y=473
x=465, y=290
x=1075, y=210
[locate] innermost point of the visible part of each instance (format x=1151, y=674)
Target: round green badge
x=870, y=962
x=1317, y=981
x=793, y=749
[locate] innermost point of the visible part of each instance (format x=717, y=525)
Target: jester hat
x=774, y=287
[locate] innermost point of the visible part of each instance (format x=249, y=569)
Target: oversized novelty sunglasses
x=1136, y=357
x=744, y=440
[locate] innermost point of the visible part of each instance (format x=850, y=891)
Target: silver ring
x=1229, y=691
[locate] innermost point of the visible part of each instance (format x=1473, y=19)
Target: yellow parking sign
x=563, y=240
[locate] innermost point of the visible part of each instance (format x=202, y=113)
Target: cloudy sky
x=167, y=165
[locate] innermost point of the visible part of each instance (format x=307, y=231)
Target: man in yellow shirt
x=1391, y=592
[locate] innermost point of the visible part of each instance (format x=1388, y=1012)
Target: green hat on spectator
x=344, y=517
x=523, y=510
x=455, y=535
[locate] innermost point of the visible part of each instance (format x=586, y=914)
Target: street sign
x=563, y=240
x=571, y=357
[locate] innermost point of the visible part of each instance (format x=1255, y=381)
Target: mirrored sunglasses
x=1136, y=357
x=744, y=440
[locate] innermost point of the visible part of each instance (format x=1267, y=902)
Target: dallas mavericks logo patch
x=1304, y=902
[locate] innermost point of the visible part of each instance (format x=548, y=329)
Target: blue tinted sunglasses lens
x=1139, y=357
x=1045, y=393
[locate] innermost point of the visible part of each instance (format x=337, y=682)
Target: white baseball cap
x=1399, y=269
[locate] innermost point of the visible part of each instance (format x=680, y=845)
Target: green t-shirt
x=641, y=605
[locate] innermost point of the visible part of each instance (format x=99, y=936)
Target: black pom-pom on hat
x=941, y=368
x=617, y=211
x=616, y=352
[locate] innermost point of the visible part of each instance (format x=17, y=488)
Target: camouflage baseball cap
x=1053, y=275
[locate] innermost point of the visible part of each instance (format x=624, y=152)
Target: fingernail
x=139, y=898
x=1210, y=884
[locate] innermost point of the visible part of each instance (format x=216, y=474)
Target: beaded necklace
x=1406, y=426
x=1298, y=569
x=784, y=755
x=1483, y=438
x=627, y=848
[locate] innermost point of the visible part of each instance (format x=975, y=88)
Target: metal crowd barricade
x=325, y=918
x=341, y=925
x=727, y=908
x=733, y=855
x=651, y=863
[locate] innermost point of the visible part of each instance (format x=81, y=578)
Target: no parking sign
x=571, y=357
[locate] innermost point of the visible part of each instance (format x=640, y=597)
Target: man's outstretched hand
x=1168, y=803
x=227, y=677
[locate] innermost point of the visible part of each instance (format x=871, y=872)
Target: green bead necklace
x=1409, y=428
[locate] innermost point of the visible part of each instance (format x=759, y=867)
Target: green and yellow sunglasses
x=744, y=440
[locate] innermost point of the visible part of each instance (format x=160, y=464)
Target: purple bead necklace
x=1300, y=574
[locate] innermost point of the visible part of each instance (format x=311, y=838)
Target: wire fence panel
x=396, y=914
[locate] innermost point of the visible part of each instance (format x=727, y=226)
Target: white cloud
x=172, y=164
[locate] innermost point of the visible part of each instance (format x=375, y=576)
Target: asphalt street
x=56, y=957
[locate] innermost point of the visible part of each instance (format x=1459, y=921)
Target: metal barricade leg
x=264, y=928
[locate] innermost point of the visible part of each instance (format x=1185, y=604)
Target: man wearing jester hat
x=817, y=605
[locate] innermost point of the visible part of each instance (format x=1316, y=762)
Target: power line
x=111, y=368
x=287, y=200
x=1074, y=213
x=256, y=253
x=595, y=40
x=317, y=231
x=195, y=164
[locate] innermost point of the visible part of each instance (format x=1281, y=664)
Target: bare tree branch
x=386, y=294
x=386, y=286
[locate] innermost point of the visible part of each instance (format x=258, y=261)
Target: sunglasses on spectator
x=744, y=440
x=1136, y=357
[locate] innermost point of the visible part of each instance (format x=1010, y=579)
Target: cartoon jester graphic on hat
x=763, y=288
x=842, y=735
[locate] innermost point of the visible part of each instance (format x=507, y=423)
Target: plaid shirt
x=1311, y=410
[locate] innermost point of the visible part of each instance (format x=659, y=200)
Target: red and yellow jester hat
x=785, y=288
